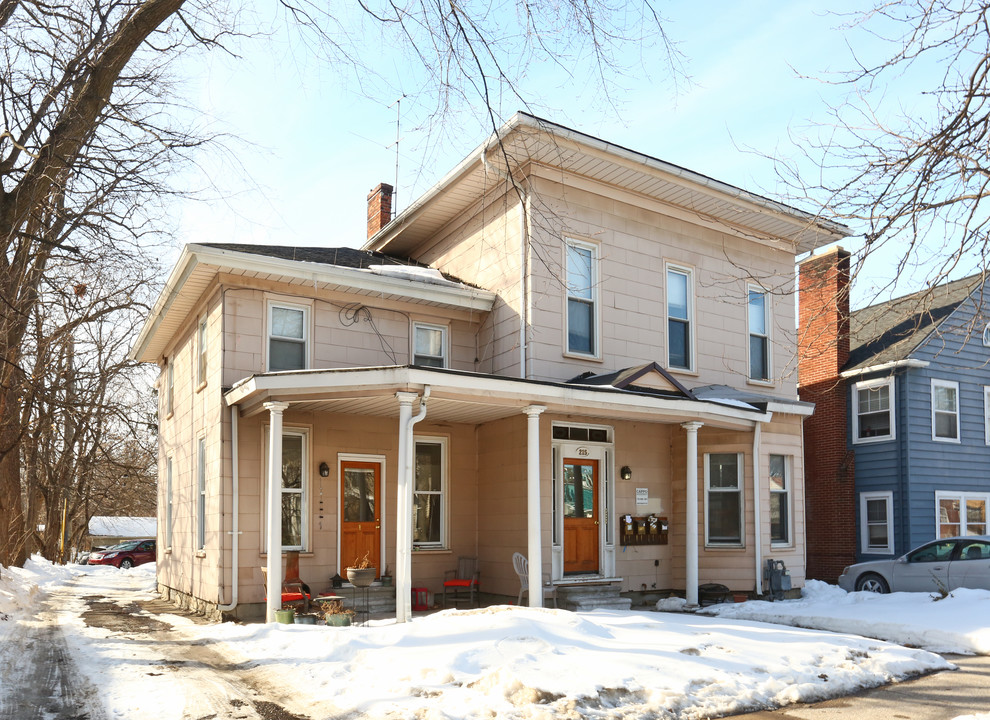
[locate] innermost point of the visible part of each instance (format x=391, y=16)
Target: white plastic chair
x=521, y=565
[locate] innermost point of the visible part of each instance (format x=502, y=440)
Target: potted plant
x=285, y=616
x=361, y=573
x=387, y=577
x=334, y=613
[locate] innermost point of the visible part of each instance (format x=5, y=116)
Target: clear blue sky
x=311, y=144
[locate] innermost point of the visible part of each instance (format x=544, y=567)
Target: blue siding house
x=916, y=387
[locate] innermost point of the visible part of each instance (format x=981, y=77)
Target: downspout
x=235, y=511
x=403, y=550
x=757, y=504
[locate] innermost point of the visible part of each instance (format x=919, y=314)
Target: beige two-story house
x=565, y=349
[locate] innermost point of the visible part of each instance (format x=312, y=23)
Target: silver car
x=949, y=563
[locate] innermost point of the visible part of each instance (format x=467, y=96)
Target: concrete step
x=375, y=599
x=591, y=597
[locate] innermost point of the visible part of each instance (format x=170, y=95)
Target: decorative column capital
x=406, y=398
x=692, y=426
x=276, y=407
x=534, y=410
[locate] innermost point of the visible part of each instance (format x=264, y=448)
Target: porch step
x=379, y=599
x=591, y=597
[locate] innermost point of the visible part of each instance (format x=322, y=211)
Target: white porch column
x=273, y=524
x=403, y=513
x=691, y=521
x=534, y=536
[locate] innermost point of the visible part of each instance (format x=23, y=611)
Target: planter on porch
x=339, y=620
x=286, y=617
x=361, y=577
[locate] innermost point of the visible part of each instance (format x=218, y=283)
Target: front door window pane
x=359, y=495
x=579, y=491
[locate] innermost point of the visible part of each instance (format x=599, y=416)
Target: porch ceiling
x=470, y=398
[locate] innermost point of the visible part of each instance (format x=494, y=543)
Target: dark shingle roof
x=892, y=330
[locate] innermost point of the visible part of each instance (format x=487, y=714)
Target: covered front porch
x=465, y=464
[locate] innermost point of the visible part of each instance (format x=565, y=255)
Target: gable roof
x=650, y=379
x=532, y=141
x=891, y=331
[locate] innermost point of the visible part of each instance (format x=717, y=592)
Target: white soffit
x=198, y=266
x=529, y=140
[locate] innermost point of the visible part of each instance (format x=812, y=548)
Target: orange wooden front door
x=580, y=516
x=361, y=521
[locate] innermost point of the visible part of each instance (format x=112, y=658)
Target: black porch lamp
x=625, y=473
x=324, y=470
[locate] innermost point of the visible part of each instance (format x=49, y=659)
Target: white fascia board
x=892, y=365
x=352, y=379
x=173, y=286
x=459, y=296
x=805, y=409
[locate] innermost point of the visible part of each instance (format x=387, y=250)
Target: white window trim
x=201, y=356
x=169, y=502
x=691, y=341
x=786, y=492
x=986, y=335
x=383, y=531
x=864, y=535
x=307, y=331
x=444, y=475
x=768, y=380
x=304, y=432
x=986, y=413
x=740, y=476
x=444, y=341
x=936, y=382
x=201, y=493
x=595, y=302
x=962, y=497
x=869, y=385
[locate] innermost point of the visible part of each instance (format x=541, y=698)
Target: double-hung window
x=724, y=499
x=961, y=513
x=986, y=413
x=679, y=319
x=201, y=495
x=429, y=345
x=945, y=410
x=780, y=501
x=873, y=410
x=759, y=336
x=876, y=516
x=294, y=489
x=287, y=337
x=581, y=284
x=201, y=368
x=428, y=493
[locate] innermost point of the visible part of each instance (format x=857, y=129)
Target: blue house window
x=945, y=410
x=873, y=410
x=876, y=517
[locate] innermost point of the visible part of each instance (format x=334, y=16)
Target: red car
x=125, y=555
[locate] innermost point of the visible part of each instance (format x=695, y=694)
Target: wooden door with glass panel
x=580, y=516
x=360, y=502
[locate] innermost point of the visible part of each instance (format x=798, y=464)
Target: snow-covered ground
x=508, y=662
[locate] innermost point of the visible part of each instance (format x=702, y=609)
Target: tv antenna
x=398, y=118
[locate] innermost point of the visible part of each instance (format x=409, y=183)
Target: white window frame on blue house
x=873, y=386
x=986, y=413
x=949, y=385
x=864, y=534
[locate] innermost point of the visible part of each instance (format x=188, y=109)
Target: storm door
x=360, y=503
x=580, y=490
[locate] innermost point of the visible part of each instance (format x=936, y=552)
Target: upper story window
x=759, y=336
x=582, y=297
x=680, y=338
x=945, y=410
x=201, y=370
x=873, y=410
x=986, y=335
x=986, y=413
x=429, y=345
x=170, y=386
x=287, y=337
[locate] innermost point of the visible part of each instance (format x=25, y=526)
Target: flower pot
x=386, y=581
x=361, y=577
x=341, y=620
x=305, y=620
x=286, y=617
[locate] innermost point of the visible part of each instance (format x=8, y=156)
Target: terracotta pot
x=361, y=577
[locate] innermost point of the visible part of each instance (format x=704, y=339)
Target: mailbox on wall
x=643, y=530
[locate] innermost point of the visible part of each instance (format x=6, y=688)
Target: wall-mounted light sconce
x=625, y=473
x=324, y=470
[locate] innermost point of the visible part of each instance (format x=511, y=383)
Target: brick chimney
x=823, y=350
x=379, y=208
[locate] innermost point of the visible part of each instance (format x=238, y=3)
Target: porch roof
x=473, y=398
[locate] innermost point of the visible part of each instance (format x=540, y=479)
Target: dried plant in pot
x=361, y=573
x=333, y=613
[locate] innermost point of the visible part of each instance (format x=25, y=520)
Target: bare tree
x=910, y=171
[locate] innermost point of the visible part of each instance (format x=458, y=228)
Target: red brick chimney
x=379, y=208
x=823, y=350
